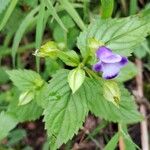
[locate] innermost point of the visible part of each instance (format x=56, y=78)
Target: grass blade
x=133, y=7
x=113, y=142
x=73, y=13
x=8, y=13
x=21, y=30
x=39, y=31
x=107, y=8
x=53, y=11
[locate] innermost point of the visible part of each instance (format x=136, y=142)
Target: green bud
x=111, y=92
x=94, y=44
x=26, y=97
x=38, y=83
x=76, y=78
x=50, y=49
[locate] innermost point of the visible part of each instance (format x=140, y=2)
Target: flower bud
x=94, y=44
x=49, y=49
x=111, y=92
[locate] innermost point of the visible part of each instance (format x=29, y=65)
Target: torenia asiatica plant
x=90, y=80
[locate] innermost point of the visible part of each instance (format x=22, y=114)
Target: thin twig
x=121, y=141
x=144, y=126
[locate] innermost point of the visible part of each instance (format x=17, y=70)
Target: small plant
x=87, y=74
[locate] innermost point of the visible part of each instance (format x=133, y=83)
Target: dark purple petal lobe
x=97, y=67
x=123, y=61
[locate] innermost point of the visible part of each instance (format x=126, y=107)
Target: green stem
x=93, y=74
x=7, y=51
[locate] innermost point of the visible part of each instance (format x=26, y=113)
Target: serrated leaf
x=120, y=35
x=70, y=58
x=25, y=79
x=112, y=144
x=28, y=112
x=142, y=50
x=7, y=123
x=26, y=97
x=64, y=112
x=76, y=78
x=125, y=113
x=126, y=73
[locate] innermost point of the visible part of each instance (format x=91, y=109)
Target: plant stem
x=144, y=125
x=7, y=51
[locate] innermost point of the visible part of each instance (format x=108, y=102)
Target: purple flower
x=109, y=63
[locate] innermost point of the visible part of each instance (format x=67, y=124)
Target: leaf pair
x=65, y=112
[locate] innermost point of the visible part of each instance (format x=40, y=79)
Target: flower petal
x=110, y=70
x=103, y=52
x=106, y=55
x=97, y=67
x=123, y=61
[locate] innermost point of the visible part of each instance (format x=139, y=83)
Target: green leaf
x=28, y=112
x=70, y=58
x=42, y=96
x=4, y=4
x=76, y=78
x=107, y=8
x=64, y=112
x=16, y=136
x=51, y=66
x=125, y=113
x=7, y=123
x=3, y=76
x=128, y=72
x=112, y=143
x=120, y=35
x=26, y=97
x=25, y=79
x=142, y=50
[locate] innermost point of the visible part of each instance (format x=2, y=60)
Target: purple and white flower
x=109, y=63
